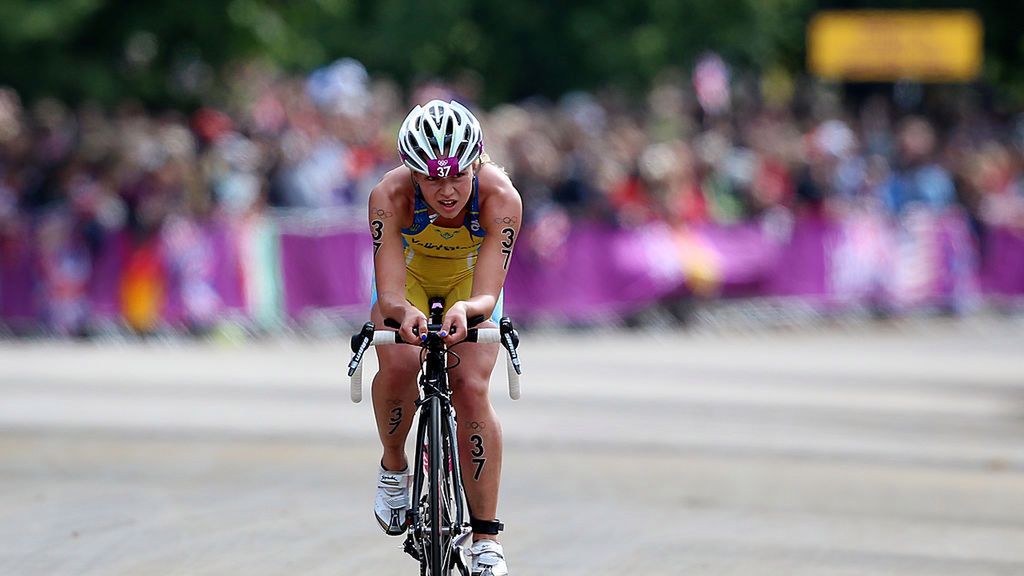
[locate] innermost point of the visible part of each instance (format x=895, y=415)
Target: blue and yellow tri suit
x=439, y=261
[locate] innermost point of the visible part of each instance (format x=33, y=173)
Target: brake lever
x=360, y=342
x=510, y=340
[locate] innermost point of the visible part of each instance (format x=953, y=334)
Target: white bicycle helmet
x=440, y=138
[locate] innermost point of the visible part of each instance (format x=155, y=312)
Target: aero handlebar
x=505, y=335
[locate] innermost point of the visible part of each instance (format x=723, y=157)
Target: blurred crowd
x=686, y=153
x=700, y=148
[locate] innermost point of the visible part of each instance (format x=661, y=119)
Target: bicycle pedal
x=410, y=548
x=460, y=559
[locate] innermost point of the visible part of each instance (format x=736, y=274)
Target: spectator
x=917, y=179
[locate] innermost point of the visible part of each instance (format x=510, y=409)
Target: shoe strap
x=488, y=527
x=488, y=554
x=388, y=479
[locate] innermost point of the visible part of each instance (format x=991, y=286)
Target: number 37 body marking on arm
x=377, y=231
x=506, y=244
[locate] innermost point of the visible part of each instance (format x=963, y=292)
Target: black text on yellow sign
x=891, y=45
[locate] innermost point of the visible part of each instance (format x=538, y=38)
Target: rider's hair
x=485, y=158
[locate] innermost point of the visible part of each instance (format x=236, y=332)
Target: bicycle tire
x=454, y=498
x=439, y=544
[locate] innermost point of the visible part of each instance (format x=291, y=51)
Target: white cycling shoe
x=392, y=502
x=488, y=559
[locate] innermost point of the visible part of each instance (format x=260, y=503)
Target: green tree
x=169, y=53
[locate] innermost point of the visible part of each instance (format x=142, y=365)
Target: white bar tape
x=381, y=337
x=513, y=378
x=488, y=336
x=357, y=384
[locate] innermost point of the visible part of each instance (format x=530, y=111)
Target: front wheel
x=438, y=499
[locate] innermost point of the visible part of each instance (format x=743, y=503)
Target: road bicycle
x=439, y=533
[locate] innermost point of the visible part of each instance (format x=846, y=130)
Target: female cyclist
x=443, y=224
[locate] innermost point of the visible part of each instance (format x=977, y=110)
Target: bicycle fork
x=457, y=530
x=460, y=540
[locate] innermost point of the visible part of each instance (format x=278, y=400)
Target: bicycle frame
x=436, y=432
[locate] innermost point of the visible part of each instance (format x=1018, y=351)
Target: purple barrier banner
x=104, y=289
x=746, y=258
x=802, y=266
x=196, y=273
x=925, y=260
x=227, y=278
x=605, y=269
x=593, y=269
x=919, y=260
x=204, y=273
x=18, y=302
x=1003, y=266
x=325, y=271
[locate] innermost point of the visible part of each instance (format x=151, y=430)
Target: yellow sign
x=890, y=45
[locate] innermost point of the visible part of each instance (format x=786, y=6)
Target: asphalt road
x=891, y=450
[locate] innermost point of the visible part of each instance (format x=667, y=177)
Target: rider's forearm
x=480, y=305
x=393, y=305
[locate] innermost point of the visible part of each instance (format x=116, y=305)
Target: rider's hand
x=413, y=318
x=454, y=324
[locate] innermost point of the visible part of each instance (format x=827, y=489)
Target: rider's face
x=446, y=196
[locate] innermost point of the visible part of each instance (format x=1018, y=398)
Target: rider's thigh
x=398, y=363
